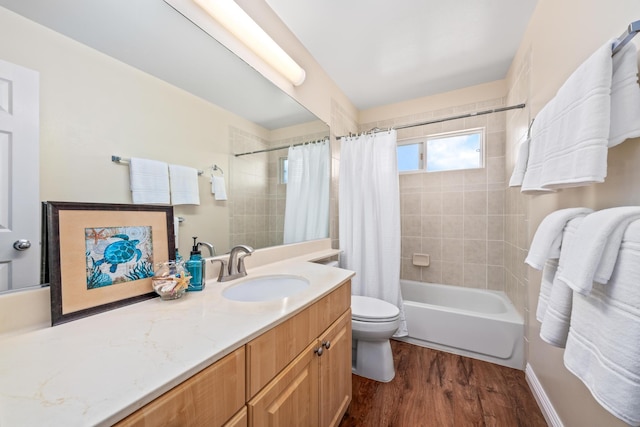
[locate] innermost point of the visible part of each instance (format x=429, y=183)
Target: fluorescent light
x=237, y=22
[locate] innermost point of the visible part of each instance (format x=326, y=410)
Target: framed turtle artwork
x=102, y=256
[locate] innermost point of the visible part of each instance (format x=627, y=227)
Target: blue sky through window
x=454, y=152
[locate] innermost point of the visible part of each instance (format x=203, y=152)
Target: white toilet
x=373, y=322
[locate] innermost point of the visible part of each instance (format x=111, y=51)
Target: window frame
x=424, y=148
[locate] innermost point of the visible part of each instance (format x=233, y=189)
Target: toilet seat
x=367, y=309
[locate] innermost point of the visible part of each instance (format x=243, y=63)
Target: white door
x=19, y=177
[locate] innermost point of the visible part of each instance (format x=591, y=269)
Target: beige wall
x=561, y=35
x=92, y=107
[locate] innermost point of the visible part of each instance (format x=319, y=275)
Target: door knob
x=326, y=344
x=21, y=245
x=318, y=351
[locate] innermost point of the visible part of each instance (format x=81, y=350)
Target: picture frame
x=101, y=256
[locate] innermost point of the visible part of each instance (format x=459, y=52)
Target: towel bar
x=118, y=159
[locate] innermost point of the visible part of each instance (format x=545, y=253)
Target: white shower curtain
x=369, y=201
x=306, y=215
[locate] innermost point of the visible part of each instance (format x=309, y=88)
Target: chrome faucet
x=235, y=267
x=212, y=250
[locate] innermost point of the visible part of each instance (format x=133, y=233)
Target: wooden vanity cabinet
x=210, y=398
x=314, y=386
x=296, y=374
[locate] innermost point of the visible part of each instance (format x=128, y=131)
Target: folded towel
x=602, y=348
x=625, y=96
x=546, y=285
x=598, y=243
x=184, y=185
x=548, y=238
x=149, y=181
x=569, y=136
x=218, y=187
x=557, y=317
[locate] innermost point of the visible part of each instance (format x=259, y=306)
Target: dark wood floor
x=434, y=388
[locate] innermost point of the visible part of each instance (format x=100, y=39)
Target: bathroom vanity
x=199, y=360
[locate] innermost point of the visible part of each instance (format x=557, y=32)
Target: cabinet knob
x=319, y=351
x=326, y=344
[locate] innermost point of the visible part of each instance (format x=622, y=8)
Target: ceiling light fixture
x=235, y=20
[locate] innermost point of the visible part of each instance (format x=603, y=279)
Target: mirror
x=94, y=107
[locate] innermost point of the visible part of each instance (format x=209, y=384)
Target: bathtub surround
x=370, y=217
x=456, y=217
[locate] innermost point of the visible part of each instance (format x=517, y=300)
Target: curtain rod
x=445, y=119
x=281, y=147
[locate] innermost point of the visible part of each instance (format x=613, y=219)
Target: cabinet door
x=209, y=398
x=291, y=399
x=335, y=371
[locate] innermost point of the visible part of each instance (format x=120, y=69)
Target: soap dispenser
x=195, y=267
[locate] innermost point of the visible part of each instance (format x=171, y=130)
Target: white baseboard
x=549, y=412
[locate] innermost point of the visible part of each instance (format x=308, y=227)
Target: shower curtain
x=306, y=215
x=369, y=217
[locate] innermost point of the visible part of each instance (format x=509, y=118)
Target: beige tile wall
x=248, y=191
x=256, y=197
x=516, y=240
x=457, y=217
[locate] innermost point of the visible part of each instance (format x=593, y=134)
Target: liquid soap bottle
x=194, y=267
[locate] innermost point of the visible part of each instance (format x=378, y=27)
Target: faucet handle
x=241, y=267
x=224, y=270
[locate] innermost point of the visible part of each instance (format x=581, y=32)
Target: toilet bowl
x=373, y=322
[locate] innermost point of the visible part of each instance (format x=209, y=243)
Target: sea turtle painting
x=117, y=255
x=120, y=252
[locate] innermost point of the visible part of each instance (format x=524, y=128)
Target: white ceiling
x=377, y=51
x=381, y=51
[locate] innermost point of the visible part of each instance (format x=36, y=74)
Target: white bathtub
x=471, y=322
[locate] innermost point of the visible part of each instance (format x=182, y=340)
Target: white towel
x=149, y=181
x=598, y=243
x=602, y=348
x=184, y=185
x=218, y=188
x=557, y=316
x=569, y=136
x=625, y=96
x=546, y=285
x=548, y=238
x=176, y=230
x=517, y=176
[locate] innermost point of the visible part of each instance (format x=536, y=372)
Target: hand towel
x=569, y=136
x=548, y=238
x=598, y=243
x=176, y=230
x=557, y=317
x=149, y=181
x=184, y=185
x=625, y=96
x=218, y=187
x=602, y=348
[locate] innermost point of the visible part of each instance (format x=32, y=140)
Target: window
x=283, y=169
x=443, y=152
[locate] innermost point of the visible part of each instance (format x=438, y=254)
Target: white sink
x=266, y=288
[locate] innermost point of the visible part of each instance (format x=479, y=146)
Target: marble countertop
x=98, y=370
